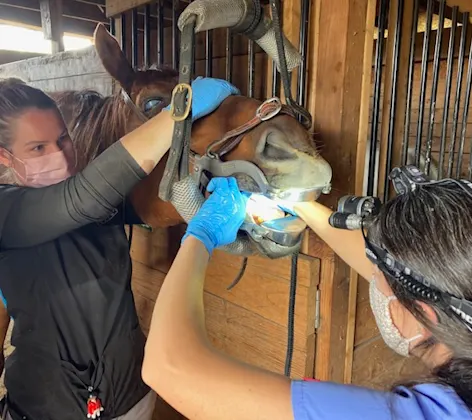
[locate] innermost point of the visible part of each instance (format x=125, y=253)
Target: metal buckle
x=269, y=115
x=180, y=88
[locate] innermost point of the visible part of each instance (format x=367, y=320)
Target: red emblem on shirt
x=94, y=407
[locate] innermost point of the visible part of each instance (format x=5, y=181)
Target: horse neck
x=95, y=123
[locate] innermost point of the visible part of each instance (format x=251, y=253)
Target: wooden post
x=51, y=21
x=337, y=89
x=359, y=181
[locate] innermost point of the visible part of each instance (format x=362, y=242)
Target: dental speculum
x=266, y=220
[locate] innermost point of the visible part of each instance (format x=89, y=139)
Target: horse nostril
x=276, y=147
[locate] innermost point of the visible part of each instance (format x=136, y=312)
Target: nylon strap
x=177, y=166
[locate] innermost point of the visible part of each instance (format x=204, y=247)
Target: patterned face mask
x=380, y=305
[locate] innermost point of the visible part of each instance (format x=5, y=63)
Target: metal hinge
x=317, y=309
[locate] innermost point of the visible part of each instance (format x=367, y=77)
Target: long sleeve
x=31, y=216
x=126, y=215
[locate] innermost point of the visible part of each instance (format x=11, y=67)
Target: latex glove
x=219, y=219
x=208, y=94
x=287, y=207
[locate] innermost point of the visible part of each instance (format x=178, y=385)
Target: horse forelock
x=94, y=122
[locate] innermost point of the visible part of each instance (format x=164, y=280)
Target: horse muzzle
x=274, y=238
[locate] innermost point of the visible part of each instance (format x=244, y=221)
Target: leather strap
x=178, y=161
x=129, y=102
x=268, y=110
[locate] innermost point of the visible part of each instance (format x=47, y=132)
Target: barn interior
x=386, y=81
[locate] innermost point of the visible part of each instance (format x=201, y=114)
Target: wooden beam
x=116, y=7
x=101, y=3
x=359, y=178
x=32, y=19
x=51, y=22
x=70, y=9
x=338, y=83
x=464, y=5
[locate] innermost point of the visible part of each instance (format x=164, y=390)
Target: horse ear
x=112, y=57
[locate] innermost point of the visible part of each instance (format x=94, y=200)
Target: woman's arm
x=31, y=216
x=179, y=362
x=349, y=245
x=185, y=370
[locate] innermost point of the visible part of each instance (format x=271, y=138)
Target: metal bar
x=466, y=109
x=447, y=97
x=411, y=71
x=160, y=32
x=209, y=53
x=123, y=34
x=112, y=26
x=434, y=89
x=424, y=80
x=252, y=68
x=147, y=35
x=303, y=47
x=134, y=38
x=393, y=96
x=275, y=80
x=379, y=52
x=175, y=34
x=457, y=101
x=465, y=116
x=229, y=55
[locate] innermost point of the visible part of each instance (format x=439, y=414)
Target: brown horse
x=280, y=147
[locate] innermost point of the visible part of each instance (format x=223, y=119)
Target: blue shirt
x=330, y=401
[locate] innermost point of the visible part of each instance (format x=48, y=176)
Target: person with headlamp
x=416, y=255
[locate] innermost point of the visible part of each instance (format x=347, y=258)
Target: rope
x=291, y=315
x=240, y=275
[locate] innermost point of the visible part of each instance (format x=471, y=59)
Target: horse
x=281, y=147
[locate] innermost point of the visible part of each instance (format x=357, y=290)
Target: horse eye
x=152, y=103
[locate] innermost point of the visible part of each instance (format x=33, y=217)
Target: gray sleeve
x=31, y=216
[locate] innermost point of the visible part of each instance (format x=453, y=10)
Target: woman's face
x=38, y=132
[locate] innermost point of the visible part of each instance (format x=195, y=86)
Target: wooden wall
x=250, y=321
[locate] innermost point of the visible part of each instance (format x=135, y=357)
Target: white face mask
x=380, y=305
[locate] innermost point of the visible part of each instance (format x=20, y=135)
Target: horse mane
x=95, y=121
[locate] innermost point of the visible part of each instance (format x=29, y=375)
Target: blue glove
x=218, y=221
x=287, y=207
x=208, y=94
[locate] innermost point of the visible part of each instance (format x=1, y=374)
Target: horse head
x=280, y=147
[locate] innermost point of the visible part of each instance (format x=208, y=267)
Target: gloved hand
x=218, y=221
x=208, y=94
x=287, y=207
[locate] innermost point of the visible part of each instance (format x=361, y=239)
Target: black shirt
x=65, y=272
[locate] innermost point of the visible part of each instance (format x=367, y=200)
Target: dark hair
x=430, y=231
x=16, y=97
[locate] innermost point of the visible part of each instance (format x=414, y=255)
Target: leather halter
x=266, y=111
x=129, y=102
